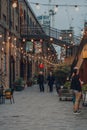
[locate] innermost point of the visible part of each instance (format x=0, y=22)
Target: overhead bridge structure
x=45, y=33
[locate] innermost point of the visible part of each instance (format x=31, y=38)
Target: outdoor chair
x=9, y=95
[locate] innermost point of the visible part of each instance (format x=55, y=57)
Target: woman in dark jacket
x=41, y=81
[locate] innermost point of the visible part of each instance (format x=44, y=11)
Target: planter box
x=18, y=88
x=65, y=95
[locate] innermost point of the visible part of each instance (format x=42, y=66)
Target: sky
x=66, y=16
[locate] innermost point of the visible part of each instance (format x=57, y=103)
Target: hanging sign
x=38, y=47
x=29, y=46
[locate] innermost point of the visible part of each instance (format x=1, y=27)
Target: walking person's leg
x=74, y=98
x=77, y=101
x=79, y=96
x=42, y=87
x=51, y=88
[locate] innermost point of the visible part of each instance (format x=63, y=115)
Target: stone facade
x=11, y=20
x=9, y=28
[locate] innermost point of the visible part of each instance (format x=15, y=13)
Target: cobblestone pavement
x=40, y=111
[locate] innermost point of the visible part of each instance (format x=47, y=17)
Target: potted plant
x=84, y=87
x=67, y=84
x=18, y=84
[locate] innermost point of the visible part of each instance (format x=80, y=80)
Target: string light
x=2, y=49
x=24, y=40
x=61, y=5
x=70, y=35
x=9, y=38
x=82, y=31
x=56, y=8
x=15, y=39
x=14, y=4
x=32, y=40
x=37, y=6
x=3, y=42
x=12, y=45
x=76, y=8
x=0, y=35
x=44, y=60
x=41, y=40
x=51, y=39
x=48, y=49
x=60, y=38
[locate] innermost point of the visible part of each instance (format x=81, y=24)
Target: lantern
x=41, y=65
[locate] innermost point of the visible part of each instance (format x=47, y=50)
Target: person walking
x=41, y=81
x=50, y=80
x=76, y=86
x=57, y=84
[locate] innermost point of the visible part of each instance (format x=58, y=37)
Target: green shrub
x=19, y=84
x=19, y=81
x=84, y=87
x=61, y=74
x=67, y=84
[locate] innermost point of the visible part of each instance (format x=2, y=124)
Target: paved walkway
x=40, y=111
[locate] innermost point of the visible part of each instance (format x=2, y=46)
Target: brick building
x=16, y=26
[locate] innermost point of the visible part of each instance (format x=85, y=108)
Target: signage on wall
x=38, y=47
x=29, y=46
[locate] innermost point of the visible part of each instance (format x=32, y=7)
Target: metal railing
x=47, y=31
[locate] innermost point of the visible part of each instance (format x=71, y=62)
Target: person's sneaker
x=76, y=112
x=79, y=111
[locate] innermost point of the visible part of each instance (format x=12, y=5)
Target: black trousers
x=41, y=86
x=51, y=87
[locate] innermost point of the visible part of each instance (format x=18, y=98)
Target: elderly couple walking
x=50, y=81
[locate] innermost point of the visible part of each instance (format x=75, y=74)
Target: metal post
x=0, y=9
x=10, y=43
x=10, y=25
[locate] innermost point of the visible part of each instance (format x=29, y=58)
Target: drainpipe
x=0, y=9
x=10, y=43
